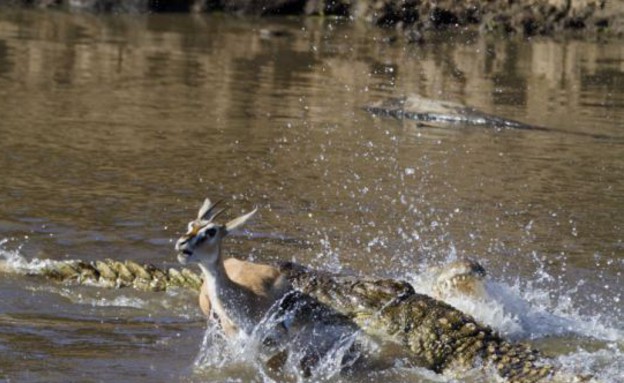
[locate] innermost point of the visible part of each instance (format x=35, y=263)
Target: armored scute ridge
x=111, y=273
x=439, y=337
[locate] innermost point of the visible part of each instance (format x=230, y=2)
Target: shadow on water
x=113, y=126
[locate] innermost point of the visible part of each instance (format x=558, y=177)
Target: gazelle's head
x=202, y=241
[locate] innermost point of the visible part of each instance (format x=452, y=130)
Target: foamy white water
x=12, y=261
x=523, y=312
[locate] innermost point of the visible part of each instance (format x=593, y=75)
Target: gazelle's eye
x=211, y=232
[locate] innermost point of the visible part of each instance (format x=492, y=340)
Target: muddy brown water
x=114, y=127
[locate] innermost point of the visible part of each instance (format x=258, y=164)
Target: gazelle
x=239, y=293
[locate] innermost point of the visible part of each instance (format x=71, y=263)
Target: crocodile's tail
x=106, y=273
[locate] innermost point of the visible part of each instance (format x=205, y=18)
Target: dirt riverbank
x=524, y=17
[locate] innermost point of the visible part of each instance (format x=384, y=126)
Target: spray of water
x=12, y=261
x=293, y=342
x=522, y=311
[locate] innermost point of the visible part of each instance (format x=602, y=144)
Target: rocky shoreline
x=522, y=17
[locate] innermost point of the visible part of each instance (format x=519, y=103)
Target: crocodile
x=438, y=336
x=416, y=107
x=440, y=113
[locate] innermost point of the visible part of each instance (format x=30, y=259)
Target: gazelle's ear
x=238, y=222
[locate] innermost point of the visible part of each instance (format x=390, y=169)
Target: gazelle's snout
x=180, y=245
x=183, y=247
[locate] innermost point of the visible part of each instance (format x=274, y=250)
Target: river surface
x=113, y=128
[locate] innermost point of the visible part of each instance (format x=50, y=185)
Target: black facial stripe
x=187, y=252
x=199, y=239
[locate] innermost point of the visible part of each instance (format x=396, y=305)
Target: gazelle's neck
x=215, y=278
x=229, y=300
x=213, y=269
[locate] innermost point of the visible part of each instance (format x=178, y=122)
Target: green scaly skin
x=439, y=337
x=116, y=274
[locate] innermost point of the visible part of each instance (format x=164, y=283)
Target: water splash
x=588, y=345
x=330, y=256
x=12, y=261
x=214, y=351
x=609, y=363
x=314, y=348
x=523, y=311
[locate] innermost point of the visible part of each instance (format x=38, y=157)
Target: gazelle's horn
x=207, y=211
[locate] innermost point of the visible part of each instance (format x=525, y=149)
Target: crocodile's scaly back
x=439, y=336
x=109, y=273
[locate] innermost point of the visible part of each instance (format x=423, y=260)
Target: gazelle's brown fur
x=239, y=293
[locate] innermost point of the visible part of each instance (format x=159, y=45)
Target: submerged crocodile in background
x=446, y=113
x=438, y=336
x=423, y=109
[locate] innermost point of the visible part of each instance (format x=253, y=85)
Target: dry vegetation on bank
x=525, y=17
